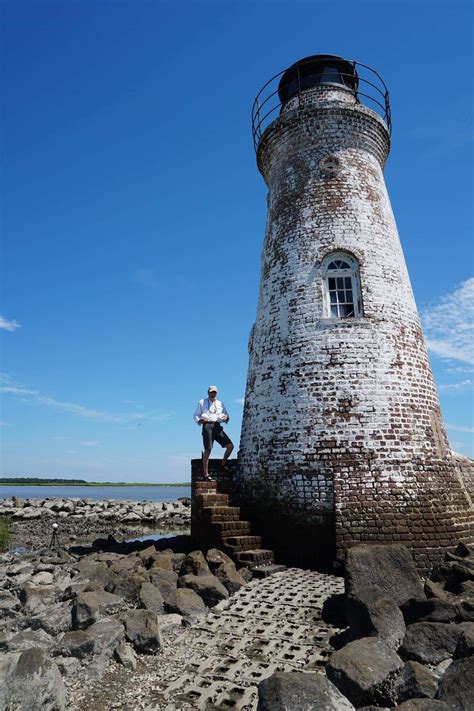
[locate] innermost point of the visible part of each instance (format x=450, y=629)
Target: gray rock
x=229, y=577
x=189, y=605
x=465, y=610
x=415, y=681
x=430, y=642
x=148, y=556
x=85, y=611
x=295, y=690
x=465, y=646
x=165, y=581
x=194, y=564
x=170, y=620
x=8, y=603
x=127, y=564
x=163, y=561
x=456, y=688
x=208, y=587
x=215, y=558
x=436, y=590
x=35, y=683
x=25, y=639
x=381, y=618
x=151, y=598
x=36, y=597
x=364, y=671
x=76, y=643
x=126, y=656
x=141, y=629
x=53, y=620
x=374, y=571
x=68, y=666
x=106, y=635
x=129, y=587
x=422, y=705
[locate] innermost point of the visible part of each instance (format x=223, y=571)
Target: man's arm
x=225, y=414
x=198, y=413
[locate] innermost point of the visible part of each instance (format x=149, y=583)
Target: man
x=210, y=412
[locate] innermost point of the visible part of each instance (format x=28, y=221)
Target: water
x=128, y=493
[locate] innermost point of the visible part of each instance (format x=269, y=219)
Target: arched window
x=341, y=286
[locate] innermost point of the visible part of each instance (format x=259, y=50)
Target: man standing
x=210, y=412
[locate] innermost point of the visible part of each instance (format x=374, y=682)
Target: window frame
x=353, y=272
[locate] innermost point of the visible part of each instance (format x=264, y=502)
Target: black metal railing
x=363, y=83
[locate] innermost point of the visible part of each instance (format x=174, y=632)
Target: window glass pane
x=349, y=310
x=348, y=282
x=340, y=282
x=332, y=265
x=344, y=265
x=332, y=283
x=340, y=297
x=334, y=311
x=333, y=296
x=349, y=297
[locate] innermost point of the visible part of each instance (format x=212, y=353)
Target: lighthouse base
x=311, y=518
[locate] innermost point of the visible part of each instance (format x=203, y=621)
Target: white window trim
x=353, y=273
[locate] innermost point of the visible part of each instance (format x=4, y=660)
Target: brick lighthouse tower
x=342, y=440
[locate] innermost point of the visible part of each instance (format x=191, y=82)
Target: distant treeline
x=35, y=481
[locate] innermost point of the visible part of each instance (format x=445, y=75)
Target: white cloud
x=449, y=324
x=90, y=443
x=459, y=428
x=10, y=387
x=239, y=400
x=456, y=386
x=9, y=325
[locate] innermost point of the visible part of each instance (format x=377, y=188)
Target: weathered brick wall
x=349, y=403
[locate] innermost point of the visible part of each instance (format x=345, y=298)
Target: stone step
x=264, y=571
x=255, y=557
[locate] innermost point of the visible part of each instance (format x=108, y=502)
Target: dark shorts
x=214, y=432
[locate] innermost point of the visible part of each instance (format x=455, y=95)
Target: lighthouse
x=342, y=439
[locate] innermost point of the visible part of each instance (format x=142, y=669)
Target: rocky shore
x=155, y=625
x=82, y=519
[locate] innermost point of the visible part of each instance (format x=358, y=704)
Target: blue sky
x=133, y=213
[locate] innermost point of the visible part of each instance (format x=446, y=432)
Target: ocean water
x=128, y=493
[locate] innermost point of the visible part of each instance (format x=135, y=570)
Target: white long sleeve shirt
x=210, y=411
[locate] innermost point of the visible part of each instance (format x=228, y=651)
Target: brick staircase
x=216, y=521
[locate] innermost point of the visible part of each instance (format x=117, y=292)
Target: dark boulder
x=294, y=690
x=456, y=688
x=432, y=610
x=465, y=647
x=189, y=605
x=415, y=681
x=381, y=618
x=364, y=671
x=208, y=587
x=422, y=705
x=35, y=684
x=374, y=571
x=141, y=629
x=430, y=642
x=194, y=564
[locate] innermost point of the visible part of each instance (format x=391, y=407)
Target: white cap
x=212, y=389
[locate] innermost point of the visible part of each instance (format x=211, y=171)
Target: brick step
x=255, y=557
x=264, y=571
x=213, y=499
x=216, y=514
x=235, y=544
x=224, y=526
x=205, y=486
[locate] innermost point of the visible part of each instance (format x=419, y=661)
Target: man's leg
x=228, y=451
x=205, y=459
